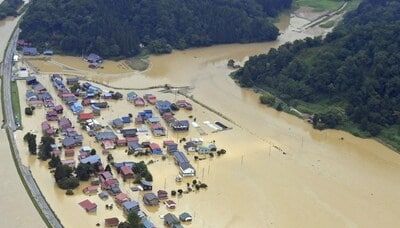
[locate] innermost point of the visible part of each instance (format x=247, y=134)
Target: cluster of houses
x=197, y=145
x=105, y=182
x=38, y=95
x=109, y=186
x=32, y=51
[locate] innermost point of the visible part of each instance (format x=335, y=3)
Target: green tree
x=134, y=220
x=46, y=147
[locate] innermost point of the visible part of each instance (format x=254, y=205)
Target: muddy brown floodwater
x=278, y=172
x=16, y=208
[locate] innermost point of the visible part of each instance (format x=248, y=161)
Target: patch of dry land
x=278, y=170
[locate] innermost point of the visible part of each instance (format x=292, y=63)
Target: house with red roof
x=122, y=142
x=47, y=129
x=108, y=144
x=69, y=152
x=138, y=101
x=121, y=198
x=59, y=109
x=155, y=148
x=150, y=98
x=88, y=206
x=126, y=172
x=51, y=115
x=89, y=190
x=111, y=222
x=85, y=116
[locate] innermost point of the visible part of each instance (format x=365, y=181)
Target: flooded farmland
x=278, y=171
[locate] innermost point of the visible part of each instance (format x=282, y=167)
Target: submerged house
x=163, y=106
x=106, y=135
x=129, y=133
x=47, y=129
x=184, y=104
x=94, y=58
x=88, y=206
x=150, y=199
x=146, y=185
x=32, y=51
x=135, y=147
x=85, y=116
x=130, y=206
x=51, y=115
x=170, y=220
x=117, y=123
x=92, y=159
x=180, y=125
x=131, y=96
x=108, y=144
x=157, y=129
x=185, y=168
x=77, y=107
x=71, y=142
x=170, y=145
x=155, y=149
x=126, y=172
x=121, y=198
x=138, y=101
x=150, y=98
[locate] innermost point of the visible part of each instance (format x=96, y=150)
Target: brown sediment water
x=278, y=172
x=7, y=26
x=16, y=208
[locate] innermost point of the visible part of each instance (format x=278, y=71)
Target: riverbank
x=18, y=202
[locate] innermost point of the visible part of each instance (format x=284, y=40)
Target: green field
x=328, y=24
x=15, y=101
x=320, y=5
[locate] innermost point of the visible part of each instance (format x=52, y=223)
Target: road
x=7, y=75
x=10, y=126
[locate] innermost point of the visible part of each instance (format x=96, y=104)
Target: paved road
x=7, y=74
x=11, y=126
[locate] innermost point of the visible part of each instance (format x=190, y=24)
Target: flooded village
x=181, y=143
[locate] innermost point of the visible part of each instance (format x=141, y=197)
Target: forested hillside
x=119, y=27
x=9, y=8
x=350, y=80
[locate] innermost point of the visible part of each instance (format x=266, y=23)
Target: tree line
x=355, y=68
x=10, y=8
x=122, y=28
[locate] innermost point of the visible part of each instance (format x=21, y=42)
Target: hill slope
x=118, y=27
x=9, y=8
x=350, y=80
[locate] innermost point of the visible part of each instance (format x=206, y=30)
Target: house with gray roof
x=130, y=206
x=185, y=168
x=171, y=220
x=93, y=159
x=106, y=135
x=150, y=199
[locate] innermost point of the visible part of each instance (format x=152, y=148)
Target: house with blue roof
x=126, y=119
x=163, y=106
x=130, y=206
x=94, y=58
x=77, y=107
x=131, y=96
x=93, y=159
x=30, y=51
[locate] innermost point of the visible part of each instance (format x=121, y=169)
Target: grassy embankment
x=15, y=101
x=327, y=5
x=320, y=5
